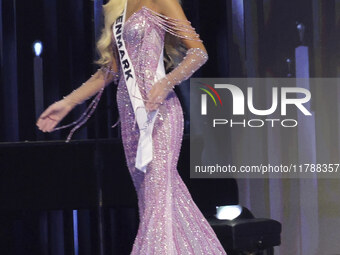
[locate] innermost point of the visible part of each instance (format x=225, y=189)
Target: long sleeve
x=194, y=58
x=92, y=86
x=99, y=80
x=95, y=85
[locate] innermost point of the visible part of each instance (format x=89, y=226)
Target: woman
x=131, y=48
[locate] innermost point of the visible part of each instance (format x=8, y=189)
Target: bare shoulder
x=153, y=4
x=169, y=8
x=162, y=5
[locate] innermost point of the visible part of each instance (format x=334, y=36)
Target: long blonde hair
x=174, y=49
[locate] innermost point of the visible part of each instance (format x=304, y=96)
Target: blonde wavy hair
x=174, y=48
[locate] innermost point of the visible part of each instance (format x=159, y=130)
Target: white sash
x=145, y=121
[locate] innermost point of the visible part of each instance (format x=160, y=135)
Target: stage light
x=228, y=212
x=75, y=232
x=37, y=48
x=301, y=30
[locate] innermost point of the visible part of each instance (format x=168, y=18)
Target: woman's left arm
x=178, y=24
x=171, y=17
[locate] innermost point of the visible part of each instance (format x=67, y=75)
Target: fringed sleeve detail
x=101, y=78
x=193, y=60
x=177, y=27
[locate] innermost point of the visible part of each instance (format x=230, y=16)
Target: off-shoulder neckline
x=136, y=12
x=153, y=12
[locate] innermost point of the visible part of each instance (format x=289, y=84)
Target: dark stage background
x=253, y=39
x=243, y=38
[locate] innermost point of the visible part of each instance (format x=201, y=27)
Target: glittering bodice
x=170, y=221
x=144, y=41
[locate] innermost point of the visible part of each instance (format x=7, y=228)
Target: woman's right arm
x=99, y=80
x=103, y=77
x=58, y=110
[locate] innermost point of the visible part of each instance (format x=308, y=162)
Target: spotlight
x=289, y=61
x=301, y=30
x=37, y=48
x=299, y=26
x=228, y=212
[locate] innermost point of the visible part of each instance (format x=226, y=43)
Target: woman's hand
x=157, y=94
x=53, y=115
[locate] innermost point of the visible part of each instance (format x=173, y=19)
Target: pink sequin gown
x=170, y=221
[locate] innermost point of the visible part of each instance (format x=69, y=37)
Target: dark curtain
x=68, y=31
x=259, y=47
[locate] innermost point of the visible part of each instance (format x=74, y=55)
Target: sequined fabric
x=170, y=221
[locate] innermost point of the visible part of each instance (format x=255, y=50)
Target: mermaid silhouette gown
x=170, y=221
